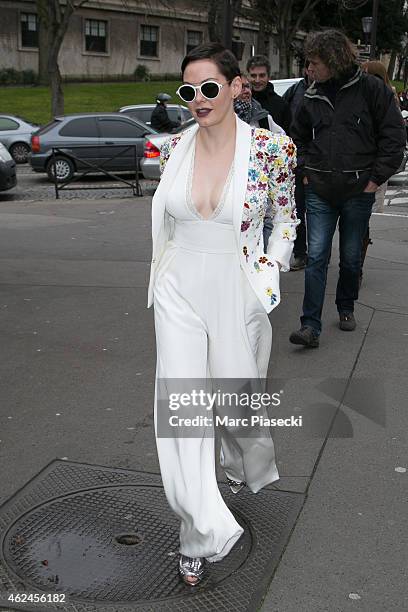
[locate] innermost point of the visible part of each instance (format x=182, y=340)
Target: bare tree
x=286, y=18
x=214, y=20
x=54, y=18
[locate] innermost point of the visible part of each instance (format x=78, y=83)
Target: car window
x=25, y=120
x=8, y=124
x=143, y=114
x=83, y=127
x=114, y=128
x=187, y=114
x=173, y=114
x=48, y=126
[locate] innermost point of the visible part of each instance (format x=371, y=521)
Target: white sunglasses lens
x=210, y=90
x=187, y=93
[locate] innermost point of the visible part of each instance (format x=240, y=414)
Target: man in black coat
x=350, y=139
x=259, y=71
x=160, y=119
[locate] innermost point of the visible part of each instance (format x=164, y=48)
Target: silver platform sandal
x=191, y=567
x=235, y=485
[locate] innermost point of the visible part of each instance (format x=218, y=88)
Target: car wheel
x=19, y=152
x=64, y=169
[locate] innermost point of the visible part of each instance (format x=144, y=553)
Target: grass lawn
x=33, y=103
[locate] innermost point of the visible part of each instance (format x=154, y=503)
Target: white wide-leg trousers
x=209, y=322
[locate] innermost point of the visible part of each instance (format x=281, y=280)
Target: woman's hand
x=305, y=180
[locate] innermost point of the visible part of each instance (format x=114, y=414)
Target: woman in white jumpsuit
x=212, y=286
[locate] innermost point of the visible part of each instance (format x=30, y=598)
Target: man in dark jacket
x=350, y=139
x=259, y=71
x=160, y=119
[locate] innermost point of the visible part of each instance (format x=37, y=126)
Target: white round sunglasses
x=209, y=90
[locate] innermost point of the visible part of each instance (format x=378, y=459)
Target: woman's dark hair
x=224, y=59
x=334, y=49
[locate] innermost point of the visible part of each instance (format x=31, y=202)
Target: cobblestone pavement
x=35, y=186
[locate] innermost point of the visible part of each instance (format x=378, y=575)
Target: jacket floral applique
x=270, y=160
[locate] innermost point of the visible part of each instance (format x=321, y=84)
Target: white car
x=282, y=85
x=150, y=163
x=8, y=178
x=15, y=134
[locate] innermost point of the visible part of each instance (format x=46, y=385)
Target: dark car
x=96, y=136
x=8, y=177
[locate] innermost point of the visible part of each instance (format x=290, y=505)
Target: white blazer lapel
x=167, y=178
x=240, y=179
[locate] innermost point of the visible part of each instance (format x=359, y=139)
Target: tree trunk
x=213, y=21
x=285, y=58
x=400, y=61
x=391, y=65
x=289, y=61
x=405, y=73
x=44, y=42
x=54, y=19
x=261, y=40
x=57, y=94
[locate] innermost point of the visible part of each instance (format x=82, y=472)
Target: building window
x=148, y=41
x=95, y=36
x=29, y=30
x=194, y=38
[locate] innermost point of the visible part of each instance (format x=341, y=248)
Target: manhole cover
x=107, y=540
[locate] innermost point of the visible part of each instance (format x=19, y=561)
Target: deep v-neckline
x=189, y=195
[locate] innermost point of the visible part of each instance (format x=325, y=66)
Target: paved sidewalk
x=77, y=375
x=348, y=549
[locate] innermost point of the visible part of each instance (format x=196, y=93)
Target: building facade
x=110, y=38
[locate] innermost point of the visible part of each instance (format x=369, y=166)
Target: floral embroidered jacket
x=267, y=161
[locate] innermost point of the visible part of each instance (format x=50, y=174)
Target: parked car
x=15, y=134
x=150, y=164
x=95, y=134
x=8, y=177
x=143, y=112
x=281, y=85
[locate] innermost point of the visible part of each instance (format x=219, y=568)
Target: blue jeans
x=300, y=246
x=321, y=218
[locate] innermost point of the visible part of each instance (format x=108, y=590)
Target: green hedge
x=10, y=76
